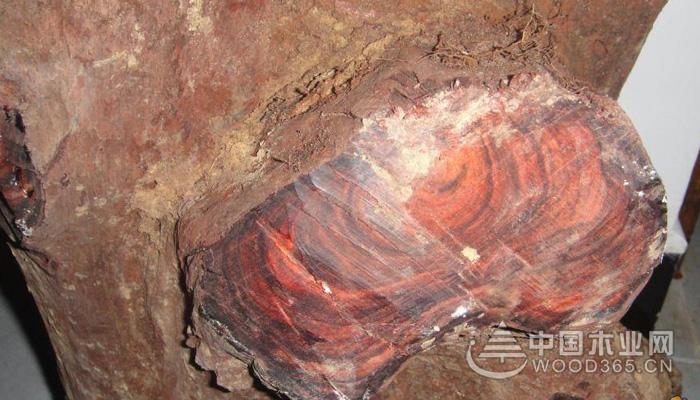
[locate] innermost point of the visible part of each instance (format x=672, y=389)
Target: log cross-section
x=174, y=174
x=524, y=203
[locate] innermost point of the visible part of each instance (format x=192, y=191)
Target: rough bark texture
x=137, y=114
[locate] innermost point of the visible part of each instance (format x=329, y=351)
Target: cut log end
x=190, y=115
x=471, y=205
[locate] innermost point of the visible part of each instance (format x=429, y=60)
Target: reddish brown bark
x=140, y=117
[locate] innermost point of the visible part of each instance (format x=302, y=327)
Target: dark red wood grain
x=527, y=204
x=21, y=196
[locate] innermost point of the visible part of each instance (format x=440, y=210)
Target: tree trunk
x=143, y=141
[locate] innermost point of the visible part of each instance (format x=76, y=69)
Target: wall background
x=662, y=96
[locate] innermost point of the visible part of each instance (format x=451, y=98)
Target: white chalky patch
x=470, y=254
x=459, y=312
x=326, y=288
